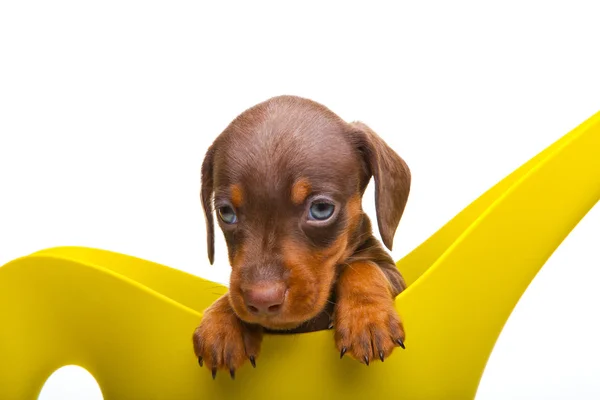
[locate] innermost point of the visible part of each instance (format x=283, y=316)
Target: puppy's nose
x=266, y=298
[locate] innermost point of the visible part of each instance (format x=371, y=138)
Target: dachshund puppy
x=286, y=180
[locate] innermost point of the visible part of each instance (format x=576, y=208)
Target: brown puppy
x=286, y=180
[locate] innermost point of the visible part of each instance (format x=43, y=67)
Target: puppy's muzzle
x=265, y=298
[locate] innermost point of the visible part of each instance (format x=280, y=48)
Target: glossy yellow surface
x=129, y=321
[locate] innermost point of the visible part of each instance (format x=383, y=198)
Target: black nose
x=265, y=298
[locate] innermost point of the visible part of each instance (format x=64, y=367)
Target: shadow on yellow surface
x=129, y=321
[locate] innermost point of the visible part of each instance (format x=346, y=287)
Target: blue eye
x=321, y=211
x=227, y=215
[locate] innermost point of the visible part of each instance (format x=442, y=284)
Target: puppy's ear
x=206, y=194
x=391, y=175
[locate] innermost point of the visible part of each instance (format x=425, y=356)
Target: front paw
x=367, y=328
x=223, y=341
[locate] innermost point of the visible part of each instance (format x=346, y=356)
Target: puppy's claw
x=232, y=373
x=344, y=350
x=381, y=355
x=214, y=372
x=400, y=343
x=330, y=325
x=366, y=360
x=253, y=361
x=200, y=361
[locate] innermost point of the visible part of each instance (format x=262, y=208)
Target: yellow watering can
x=129, y=321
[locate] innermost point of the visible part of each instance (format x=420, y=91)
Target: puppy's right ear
x=206, y=194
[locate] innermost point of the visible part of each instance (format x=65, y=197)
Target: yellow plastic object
x=129, y=321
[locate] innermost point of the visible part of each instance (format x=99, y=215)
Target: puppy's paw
x=223, y=341
x=367, y=328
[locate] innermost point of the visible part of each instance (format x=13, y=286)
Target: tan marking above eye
x=237, y=195
x=300, y=190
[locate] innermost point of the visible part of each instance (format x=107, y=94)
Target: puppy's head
x=285, y=180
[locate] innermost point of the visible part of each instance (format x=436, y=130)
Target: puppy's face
x=285, y=180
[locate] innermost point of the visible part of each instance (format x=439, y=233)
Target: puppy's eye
x=321, y=211
x=227, y=215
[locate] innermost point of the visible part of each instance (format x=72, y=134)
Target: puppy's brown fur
x=268, y=167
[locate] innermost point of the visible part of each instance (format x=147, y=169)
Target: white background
x=107, y=108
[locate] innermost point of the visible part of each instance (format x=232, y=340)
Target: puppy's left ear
x=206, y=193
x=391, y=175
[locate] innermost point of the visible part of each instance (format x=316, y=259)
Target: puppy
x=286, y=180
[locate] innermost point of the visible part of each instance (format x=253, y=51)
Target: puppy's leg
x=366, y=324
x=223, y=341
